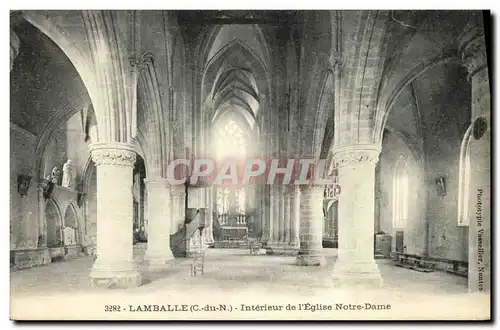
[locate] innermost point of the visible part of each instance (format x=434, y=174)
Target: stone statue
x=54, y=175
x=67, y=180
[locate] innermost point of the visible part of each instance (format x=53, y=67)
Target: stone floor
x=233, y=277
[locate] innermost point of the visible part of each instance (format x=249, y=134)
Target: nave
x=233, y=276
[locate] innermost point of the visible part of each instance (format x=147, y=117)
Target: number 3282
x=112, y=308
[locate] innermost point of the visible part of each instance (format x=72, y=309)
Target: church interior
x=397, y=102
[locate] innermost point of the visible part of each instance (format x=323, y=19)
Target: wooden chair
x=198, y=264
x=254, y=246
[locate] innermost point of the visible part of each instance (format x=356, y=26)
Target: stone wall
x=445, y=95
x=415, y=231
x=23, y=209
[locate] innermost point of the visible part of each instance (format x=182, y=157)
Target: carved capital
x=353, y=155
x=287, y=191
x=312, y=189
x=178, y=192
x=156, y=183
x=295, y=191
x=472, y=47
x=113, y=154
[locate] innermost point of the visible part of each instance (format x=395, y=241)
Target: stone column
x=276, y=217
x=295, y=217
x=14, y=48
x=114, y=266
x=356, y=168
x=265, y=214
x=473, y=54
x=330, y=223
x=271, y=242
x=281, y=216
x=42, y=221
x=326, y=227
x=311, y=226
x=208, y=232
x=333, y=220
x=178, y=195
x=286, y=216
x=158, y=253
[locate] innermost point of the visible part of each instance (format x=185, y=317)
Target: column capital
x=152, y=183
x=357, y=154
x=472, y=46
x=295, y=190
x=178, y=191
x=288, y=190
x=311, y=186
x=117, y=154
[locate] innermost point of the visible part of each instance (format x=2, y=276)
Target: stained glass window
x=231, y=142
x=222, y=200
x=240, y=193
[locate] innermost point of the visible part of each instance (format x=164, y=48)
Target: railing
x=227, y=219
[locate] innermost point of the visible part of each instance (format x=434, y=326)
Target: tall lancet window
x=231, y=143
x=464, y=179
x=240, y=194
x=400, y=194
x=222, y=200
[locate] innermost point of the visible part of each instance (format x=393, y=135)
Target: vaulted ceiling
x=435, y=105
x=45, y=86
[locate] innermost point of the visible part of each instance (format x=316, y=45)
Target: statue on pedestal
x=67, y=180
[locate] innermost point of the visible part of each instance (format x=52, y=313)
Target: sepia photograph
x=177, y=165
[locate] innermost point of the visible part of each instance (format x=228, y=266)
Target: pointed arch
x=70, y=47
x=387, y=100
x=71, y=225
x=54, y=218
x=316, y=117
x=220, y=36
x=156, y=132
x=236, y=55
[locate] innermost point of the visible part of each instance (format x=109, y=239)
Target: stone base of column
x=281, y=249
x=294, y=245
x=311, y=258
x=291, y=250
x=116, y=275
x=159, y=262
x=286, y=249
x=362, y=274
x=272, y=247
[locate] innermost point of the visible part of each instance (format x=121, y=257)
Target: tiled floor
x=236, y=274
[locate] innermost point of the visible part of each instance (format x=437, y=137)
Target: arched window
x=222, y=200
x=464, y=179
x=240, y=194
x=400, y=194
x=231, y=142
